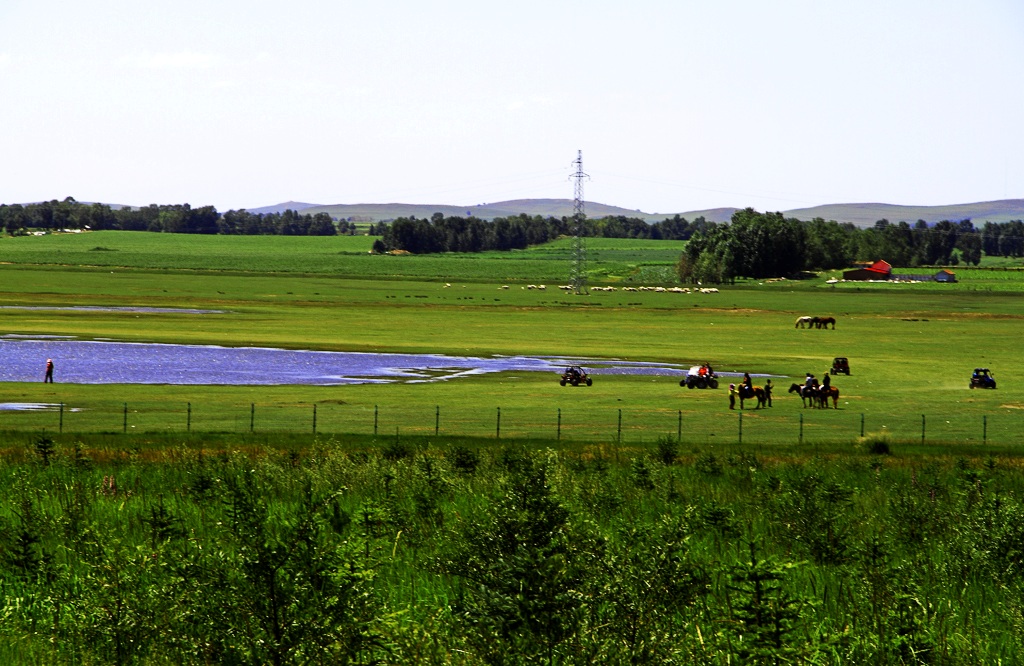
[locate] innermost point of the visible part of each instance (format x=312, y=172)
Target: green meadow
x=502, y=518
x=911, y=346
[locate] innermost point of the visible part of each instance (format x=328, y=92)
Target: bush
x=876, y=445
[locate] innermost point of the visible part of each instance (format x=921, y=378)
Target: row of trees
x=760, y=245
x=1003, y=240
x=178, y=218
x=471, y=234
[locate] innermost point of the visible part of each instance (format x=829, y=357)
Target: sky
x=676, y=105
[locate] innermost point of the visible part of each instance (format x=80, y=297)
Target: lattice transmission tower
x=578, y=273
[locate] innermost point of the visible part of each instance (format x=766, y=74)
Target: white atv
x=694, y=378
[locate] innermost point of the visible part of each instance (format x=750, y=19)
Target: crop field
x=503, y=518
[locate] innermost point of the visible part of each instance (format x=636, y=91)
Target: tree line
x=176, y=218
x=472, y=234
x=761, y=245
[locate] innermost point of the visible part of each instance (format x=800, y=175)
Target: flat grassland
x=633, y=521
x=911, y=346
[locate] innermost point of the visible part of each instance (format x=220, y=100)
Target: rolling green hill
x=860, y=214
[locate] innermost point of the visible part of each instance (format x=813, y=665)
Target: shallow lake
x=23, y=359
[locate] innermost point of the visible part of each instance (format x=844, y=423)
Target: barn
x=945, y=276
x=880, y=270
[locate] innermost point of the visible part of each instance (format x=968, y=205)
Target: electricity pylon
x=578, y=274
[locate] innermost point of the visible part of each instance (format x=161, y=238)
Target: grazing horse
x=823, y=322
x=756, y=392
x=803, y=321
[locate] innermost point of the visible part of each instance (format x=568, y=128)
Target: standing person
x=768, y=391
x=732, y=396
x=49, y=371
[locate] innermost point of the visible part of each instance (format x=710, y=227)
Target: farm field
x=663, y=527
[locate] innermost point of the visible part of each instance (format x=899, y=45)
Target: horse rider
x=826, y=382
x=747, y=386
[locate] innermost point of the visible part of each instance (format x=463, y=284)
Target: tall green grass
x=470, y=552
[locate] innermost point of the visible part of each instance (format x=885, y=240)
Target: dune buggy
x=574, y=375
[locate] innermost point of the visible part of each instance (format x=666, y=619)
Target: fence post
x=375, y=420
x=741, y=427
x=922, y=428
x=252, y=417
x=801, y=429
x=188, y=418
x=497, y=432
x=61, y=426
x=618, y=436
x=437, y=419
x=984, y=429
x=314, y=418
x=559, y=435
x=679, y=431
x=862, y=424
x=126, y=417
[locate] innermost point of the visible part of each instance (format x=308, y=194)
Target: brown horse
x=756, y=392
x=823, y=394
x=823, y=322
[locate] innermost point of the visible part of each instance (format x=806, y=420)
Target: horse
x=803, y=321
x=823, y=394
x=806, y=394
x=823, y=322
x=813, y=322
x=817, y=397
x=756, y=392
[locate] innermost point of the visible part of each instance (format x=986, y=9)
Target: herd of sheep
x=569, y=287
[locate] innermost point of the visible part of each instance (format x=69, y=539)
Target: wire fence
x=619, y=425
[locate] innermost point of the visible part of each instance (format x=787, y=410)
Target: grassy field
x=504, y=519
x=912, y=347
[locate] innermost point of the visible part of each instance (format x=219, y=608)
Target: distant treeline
x=178, y=218
x=471, y=234
x=760, y=245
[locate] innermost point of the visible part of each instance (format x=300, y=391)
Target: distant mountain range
x=862, y=214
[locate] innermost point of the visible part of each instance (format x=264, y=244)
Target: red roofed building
x=880, y=270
